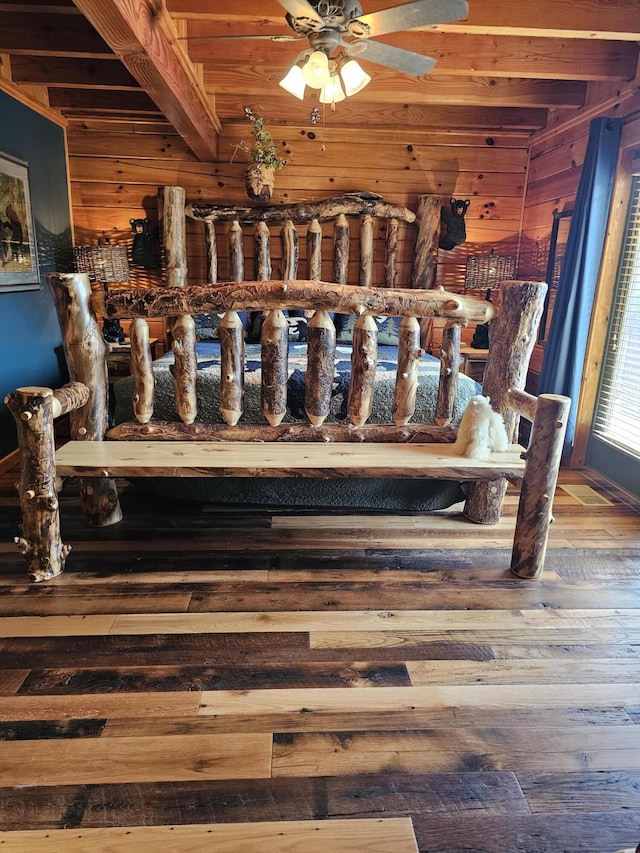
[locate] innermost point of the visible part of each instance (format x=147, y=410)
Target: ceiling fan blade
x=394, y=57
x=283, y=37
x=420, y=13
x=300, y=9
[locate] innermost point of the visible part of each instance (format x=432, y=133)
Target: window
x=617, y=418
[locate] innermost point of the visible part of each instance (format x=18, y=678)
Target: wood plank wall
x=115, y=168
x=556, y=158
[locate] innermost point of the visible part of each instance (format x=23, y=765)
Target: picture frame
x=18, y=251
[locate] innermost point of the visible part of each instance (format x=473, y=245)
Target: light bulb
x=332, y=93
x=354, y=77
x=293, y=82
x=316, y=71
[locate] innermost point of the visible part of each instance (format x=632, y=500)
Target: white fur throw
x=481, y=430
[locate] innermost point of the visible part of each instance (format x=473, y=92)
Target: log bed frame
x=147, y=447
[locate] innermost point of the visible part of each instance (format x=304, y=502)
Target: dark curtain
x=566, y=346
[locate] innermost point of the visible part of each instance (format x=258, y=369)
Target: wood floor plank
x=47, y=626
x=598, y=832
x=377, y=835
x=456, y=750
x=530, y=637
x=50, y=604
x=354, y=620
x=249, y=800
x=146, y=759
x=366, y=595
x=520, y=672
x=11, y=680
x=49, y=729
x=313, y=720
x=604, y=790
x=231, y=677
x=480, y=696
x=99, y=705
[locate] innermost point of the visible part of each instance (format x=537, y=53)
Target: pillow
x=296, y=318
x=207, y=325
x=388, y=334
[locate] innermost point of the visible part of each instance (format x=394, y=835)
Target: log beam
x=258, y=296
x=143, y=36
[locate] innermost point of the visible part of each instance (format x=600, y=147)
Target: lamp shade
x=354, y=77
x=332, y=93
x=316, y=72
x=102, y=263
x=293, y=82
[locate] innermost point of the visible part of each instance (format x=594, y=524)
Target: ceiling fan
x=337, y=31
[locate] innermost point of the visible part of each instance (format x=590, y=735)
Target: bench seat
x=258, y=459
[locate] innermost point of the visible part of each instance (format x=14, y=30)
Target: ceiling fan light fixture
x=333, y=92
x=294, y=82
x=354, y=77
x=316, y=72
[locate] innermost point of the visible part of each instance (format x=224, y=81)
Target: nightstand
x=473, y=362
x=118, y=360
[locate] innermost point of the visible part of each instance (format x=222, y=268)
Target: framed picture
x=18, y=254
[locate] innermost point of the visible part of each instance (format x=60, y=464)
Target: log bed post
x=171, y=201
x=539, y=485
x=85, y=352
x=425, y=257
x=512, y=335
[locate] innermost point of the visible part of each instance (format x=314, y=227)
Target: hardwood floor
x=205, y=678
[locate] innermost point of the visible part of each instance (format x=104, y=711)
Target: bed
x=248, y=428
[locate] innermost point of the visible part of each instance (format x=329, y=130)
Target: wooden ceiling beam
x=594, y=20
x=455, y=54
x=142, y=35
x=393, y=88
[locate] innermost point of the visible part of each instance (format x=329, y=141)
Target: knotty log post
x=231, y=334
x=314, y=251
x=512, y=337
x=449, y=367
x=321, y=349
x=340, y=249
x=171, y=202
x=40, y=541
x=425, y=256
x=212, y=252
x=539, y=485
x=236, y=252
x=409, y=354
x=262, y=240
x=34, y=410
x=364, y=356
x=289, y=237
x=143, y=381
x=366, y=251
x=185, y=367
x=85, y=353
x=391, y=253
x=275, y=349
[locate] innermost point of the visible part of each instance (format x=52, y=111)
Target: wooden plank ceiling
x=503, y=68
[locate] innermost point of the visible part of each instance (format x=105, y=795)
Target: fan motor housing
x=334, y=13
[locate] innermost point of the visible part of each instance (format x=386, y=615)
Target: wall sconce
x=104, y=264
